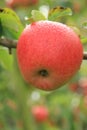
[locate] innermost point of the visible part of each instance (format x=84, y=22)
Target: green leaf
x=84, y=40
x=37, y=15
x=10, y=24
x=57, y=12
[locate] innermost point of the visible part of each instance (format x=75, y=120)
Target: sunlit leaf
x=10, y=24
x=57, y=12
x=37, y=15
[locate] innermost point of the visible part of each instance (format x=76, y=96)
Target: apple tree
x=43, y=73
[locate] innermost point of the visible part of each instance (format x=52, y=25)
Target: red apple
x=17, y=3
x=49, y=54
x=40, y=113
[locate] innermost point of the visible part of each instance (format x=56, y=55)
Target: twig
x=9, y=43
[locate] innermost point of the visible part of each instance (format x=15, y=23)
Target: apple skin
x=49, y=54
x=17, y=3
x=40, y=113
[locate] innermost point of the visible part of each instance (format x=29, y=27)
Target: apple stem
x=84, y=55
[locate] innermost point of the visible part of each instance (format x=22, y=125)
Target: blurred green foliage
x=67, y=106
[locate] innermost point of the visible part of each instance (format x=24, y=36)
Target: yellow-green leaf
x=84, y=40
x=10, y=24
x=37, y=15
x=57, y=12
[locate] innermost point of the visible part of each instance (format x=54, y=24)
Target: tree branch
x=84, y=55
x=9, y=43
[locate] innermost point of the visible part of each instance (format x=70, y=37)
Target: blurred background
x=27, y=108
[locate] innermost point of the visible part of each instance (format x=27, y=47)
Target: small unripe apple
x=49, y=54
x=40, y=113
x=17, y=3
